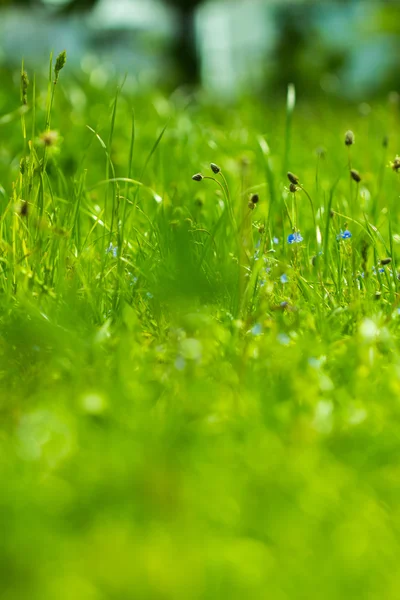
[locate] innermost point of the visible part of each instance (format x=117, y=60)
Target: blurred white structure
x=236, y=40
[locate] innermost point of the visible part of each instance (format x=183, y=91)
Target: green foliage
x=191, y=406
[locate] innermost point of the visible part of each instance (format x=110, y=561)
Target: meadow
x=199, y=377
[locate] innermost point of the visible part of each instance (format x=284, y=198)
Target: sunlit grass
x=199, y=379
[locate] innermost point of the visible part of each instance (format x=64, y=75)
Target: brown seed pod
x=396, y=163
x=24, y=209
x=349, y=138
x=215, y=168
x=198, y=177
x=386, y=261
x=293, y=178
x=355, y=175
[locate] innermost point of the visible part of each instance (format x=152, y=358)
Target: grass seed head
x=349, y=138
x=60, y=64
x=198, y=177
x=293, y=178
x=293, y=188
x=395, y=164
x=255, y=198
x=23, y=211
x=355, y=175
x=215, y=168
x=23, y=165
x=386, y=261
x=50, y=138
x=24, y=87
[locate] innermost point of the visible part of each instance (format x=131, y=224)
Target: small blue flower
x=283, y=339
x=381, y=270
x=256, y=329
x=294, y=238
x=113, y=250
x=284, y=278
x=275, y=240
x=345, y=235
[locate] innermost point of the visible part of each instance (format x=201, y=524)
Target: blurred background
x=346, y=49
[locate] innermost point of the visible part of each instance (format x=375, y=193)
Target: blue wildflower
x=345, y=235
x=283, y=339
x=284, y=278
x=294, y=238
x=275, y=240
x=113, y=250
x=256, y=329
x=381, y=270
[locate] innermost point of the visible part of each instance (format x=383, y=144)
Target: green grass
x=189, y=410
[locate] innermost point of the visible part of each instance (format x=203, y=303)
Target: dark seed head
x=355, y=175
x=215, y=168
x=293, y=188
x=349, y=138
x=293, y=178
x=396, y=163
x=386, y=261
x=24, y=209
x=198, y=177
x=23, y=165
x=255, y=198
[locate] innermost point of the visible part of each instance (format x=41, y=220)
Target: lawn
x=199, y=378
